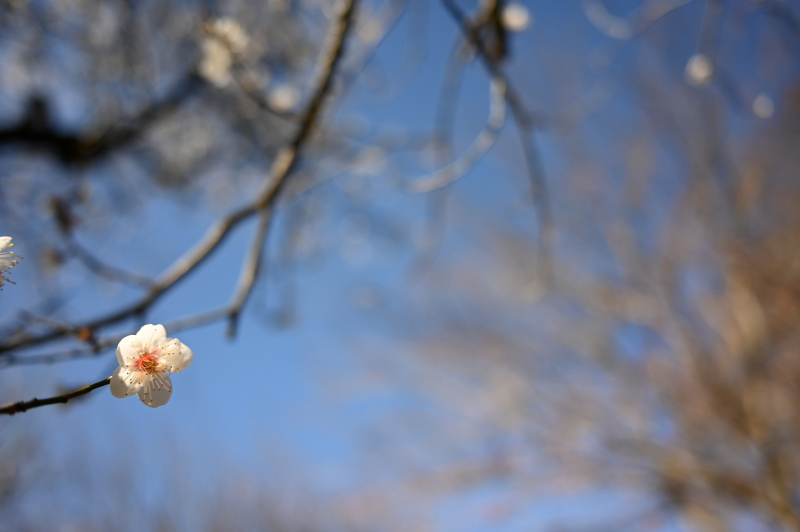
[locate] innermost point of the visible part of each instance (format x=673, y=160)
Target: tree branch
x=101, y=269
x=37, y=132
x=249, y=271
x=482, y=143
x=22, y=406
x=282, y=166
x=101, y=345
x=525, y=127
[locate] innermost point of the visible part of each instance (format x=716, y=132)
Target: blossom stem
x=22, y=406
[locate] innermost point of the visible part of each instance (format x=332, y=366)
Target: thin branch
x=100, y=346
x=101, y=269
x=482, y=143
x=183, y=266
x=447, y=104
x=249, y=271
x=22, y=406
x=287, y=158
x=61, y=356
x=282, y=166
x=526, y=124
x=436, y=203
x=249, y=88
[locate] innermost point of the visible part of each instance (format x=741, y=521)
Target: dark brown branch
x=22, y=406
x=36, y=131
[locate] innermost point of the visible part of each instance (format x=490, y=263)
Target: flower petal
x=125, y=382
x=168, y=347
x=5, y=242
x=128, y=350
x=178, y=359
x=187, y=355
x=150, y=334
x=157, y=390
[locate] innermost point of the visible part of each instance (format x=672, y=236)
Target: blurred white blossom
x=763, y=106
x=699, y=70
x=8, y=259
x=224, y=39
x=284, y=97
x=145, y=361
x=515, y=17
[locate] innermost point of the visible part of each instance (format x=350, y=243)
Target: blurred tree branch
x=36, y=130
x=282, y=166
x=526, y=124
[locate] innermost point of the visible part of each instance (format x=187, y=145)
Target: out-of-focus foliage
x=662, y=360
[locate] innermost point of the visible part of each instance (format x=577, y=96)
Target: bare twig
x=22, y=406
x=525, y=127
x=249, y=88
x=100, y=346
x=283, y=164
x=482, y=143
x=249, y=271
x=281, y=168
x=101, y=269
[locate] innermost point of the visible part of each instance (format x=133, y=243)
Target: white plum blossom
x=763, y=106
x=8, y=259
x=699, y=70
x=515, y=17
x=224, y=40
x=145, y=361
x=284, y=97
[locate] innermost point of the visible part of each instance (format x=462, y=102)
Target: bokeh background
x=537, y=266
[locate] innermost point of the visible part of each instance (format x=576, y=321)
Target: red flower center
x=148, y=364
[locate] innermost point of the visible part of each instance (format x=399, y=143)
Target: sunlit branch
x=386, y=20
x=282, y=166
x=249, y=88
x=525, y=126
x=482, y=143
x=249, y=270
